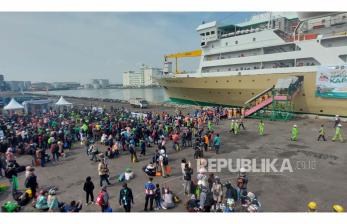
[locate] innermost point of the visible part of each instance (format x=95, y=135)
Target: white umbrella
x=13, y=105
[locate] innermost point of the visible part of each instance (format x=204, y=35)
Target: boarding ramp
x=276, y=102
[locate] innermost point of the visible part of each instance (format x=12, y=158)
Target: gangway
x=276, y=102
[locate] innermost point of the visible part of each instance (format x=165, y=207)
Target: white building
x=132, y=78
x=147, y=76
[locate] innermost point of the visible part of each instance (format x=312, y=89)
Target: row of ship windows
x=263, y=67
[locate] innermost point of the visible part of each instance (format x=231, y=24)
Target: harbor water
x=156, y=95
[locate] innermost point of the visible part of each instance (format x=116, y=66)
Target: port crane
x=195, y=53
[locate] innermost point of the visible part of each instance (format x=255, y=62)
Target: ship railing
x=266, y=92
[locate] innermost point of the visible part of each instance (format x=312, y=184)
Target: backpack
x=165, y=160
x=100, y=199
x=8, y=173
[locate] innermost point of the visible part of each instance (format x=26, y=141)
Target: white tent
x=63, y=102
x=13, y=105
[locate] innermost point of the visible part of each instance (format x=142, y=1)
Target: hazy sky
x=81, y=46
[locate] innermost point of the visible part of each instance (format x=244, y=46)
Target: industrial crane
x=195, y=53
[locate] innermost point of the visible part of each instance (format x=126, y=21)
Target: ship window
x=253, y=80
x=229, y=93
x=239, y=80
x=240, y=93
x=216, y=81
x=301, y=109
x=217, y=70
x=321, y=111
x=212, y=32
x=229, y=69
x=212, y=46
x=203, y=34
x=207, y=33
x=252, y=94
x=236, y=42
x=227, y=80
x=254, y=39
x=226, y=43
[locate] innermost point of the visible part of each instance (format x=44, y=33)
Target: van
x=139, y=102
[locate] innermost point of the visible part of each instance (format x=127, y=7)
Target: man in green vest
x=232, y=125
x=261, y=127
x=295, y=133
x=236, y=127
x=338, y=133
x=321, y=133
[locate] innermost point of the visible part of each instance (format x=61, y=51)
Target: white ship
x=288, y=52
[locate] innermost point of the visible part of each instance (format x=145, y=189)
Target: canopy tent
x=63, y=102
x=13, y=105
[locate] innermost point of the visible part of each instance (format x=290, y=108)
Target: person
x=295, y=133
x=55, y=151
x=168, y=201
x=11, y=174
x=103, y=173
x=217, y=190
x=232, y=126
x=261, y=127
x=103, y=199
x=3, y=164
x=338, y=208
x=126, y=198
x=338, y=134
x=216, y=143
x=143, y=147
x=188, y=172
x=205, y=140
x=88, y=187
x=231, y=192
x=312, y=206
x=192, y=204
x=157, y=197
x=242, y=182
x=163, y=162
x=41, y=202
x=241, y=123
x=149, y=191
x=73, y=206
x=253, y=204
x=321, y=133
x=150, y=169
x=183, y=166
x=337, y=121
x=52, y=201
x=31, y=180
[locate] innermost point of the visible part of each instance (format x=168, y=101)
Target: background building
x=147, y=76
x=100, y=83
x=18, y=85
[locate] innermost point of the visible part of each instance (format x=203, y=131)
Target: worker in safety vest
x=312, y=206
x=261, y=127
x=338, y=133
x=236, y=127
x=321, y=133
x=295, y=133
x=232, y=124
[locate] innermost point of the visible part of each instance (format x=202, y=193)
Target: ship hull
x=236, y=90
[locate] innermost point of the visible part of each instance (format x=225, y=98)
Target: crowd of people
x=49, y=137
